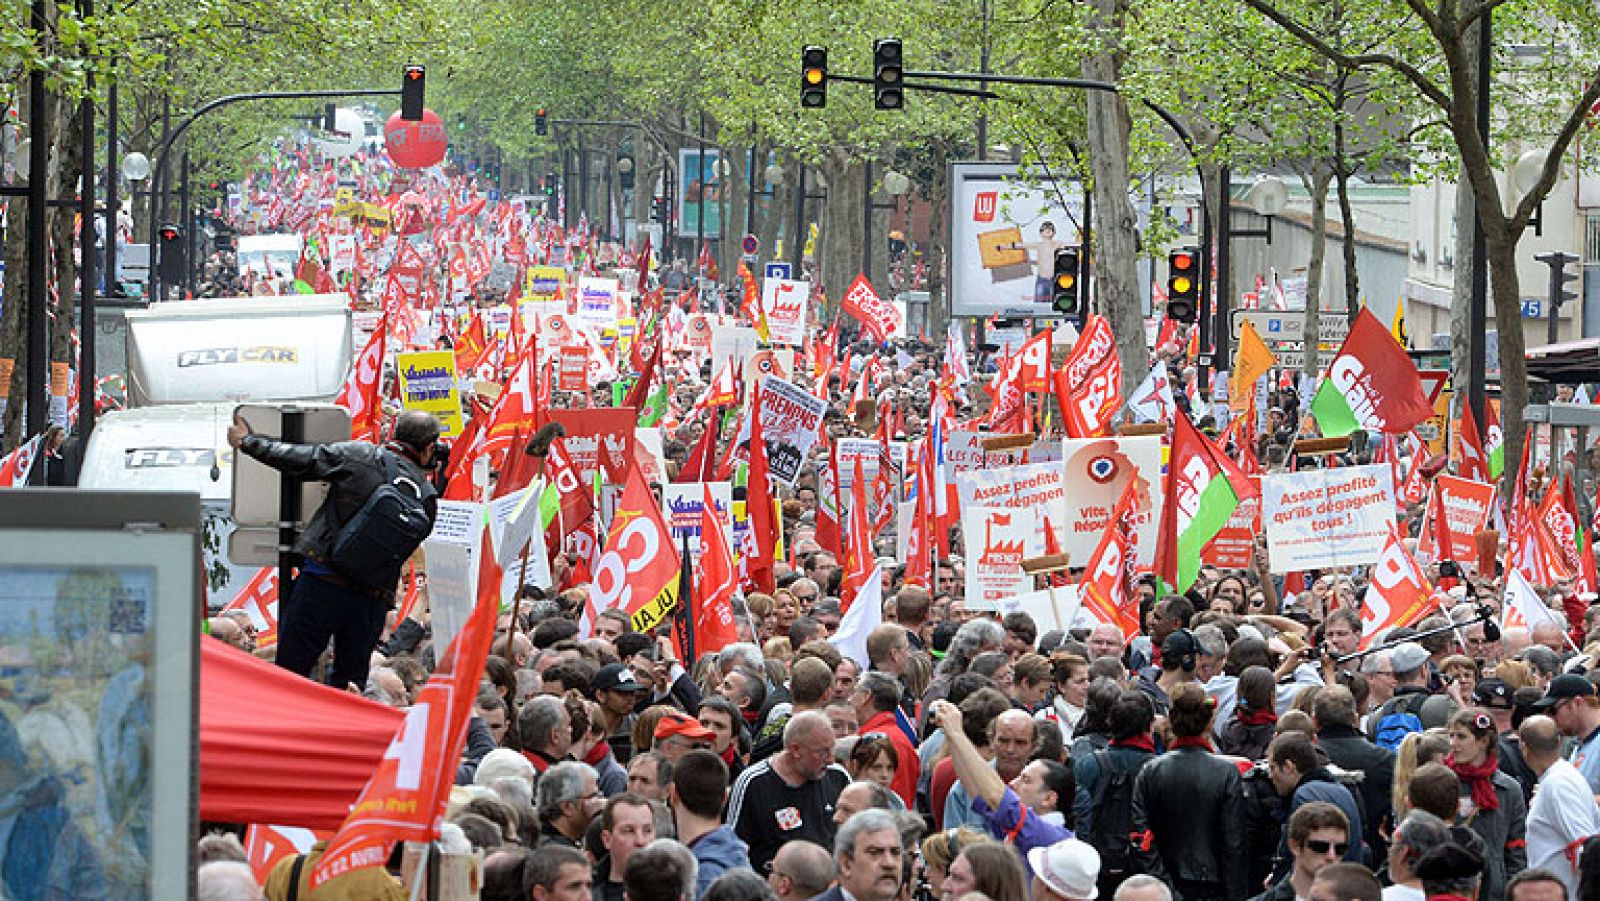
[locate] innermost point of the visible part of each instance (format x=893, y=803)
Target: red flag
x=638, y=571
x=1560, y=523
x=701, y=462
x=919, y=535
x=883, y=483
x=15, y=466
x=1104, y=586
x=829, y=532
x=1088, y=384
x=467, y=448
x=1399, y=594
x=860, y=564
x=639, y=391
x=1377, y=379
x=360, y=392
x=712, y=605
x=1474, y=462
x=405, y=799
x=573, y=529
x=878, y=318
x=518, y=406
x=758, y=503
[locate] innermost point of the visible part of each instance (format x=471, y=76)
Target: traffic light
x=172, y=262
x=887, y=92
x=541, y=121
x=411, y=92
x=1064, y=286
x=1183, y=284
x=550, y=183
x=327, y=117
x=814, y=77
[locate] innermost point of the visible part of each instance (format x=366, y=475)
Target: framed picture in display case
x=100, y=619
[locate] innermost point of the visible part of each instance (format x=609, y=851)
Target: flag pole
x=683, y=621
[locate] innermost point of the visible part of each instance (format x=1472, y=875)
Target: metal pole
x=750, y=193
x=566, y=187
x=1203, y=283
x=38, y=370
x=86, y=267
x=611, y=186
x=866, y=224
x=799, y=252
x=1478, y=308
x=1223, y=294
x=187, y=235
x=113, y=177
x=1085, y=251
x=983, y=69
x=1554, y=323
x=294, y=432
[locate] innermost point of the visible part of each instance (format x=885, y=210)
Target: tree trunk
x=1116, y=269
x=1461, y=335
x=1500, y=244
x=1347, y=218
x=1317, y=184
x=780, y=211
x=839, y=253
x=938, y=240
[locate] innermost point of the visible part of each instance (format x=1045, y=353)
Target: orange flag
x=360, y=393
x=1399, y=593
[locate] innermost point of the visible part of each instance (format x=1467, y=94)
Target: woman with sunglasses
x=1492, y=804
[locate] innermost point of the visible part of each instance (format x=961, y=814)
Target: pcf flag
x=1087, y=384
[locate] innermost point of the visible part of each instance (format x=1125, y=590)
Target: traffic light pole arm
x=158, y=183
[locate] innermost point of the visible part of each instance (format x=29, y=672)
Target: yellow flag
x=1398, y=326
x=1250, y=362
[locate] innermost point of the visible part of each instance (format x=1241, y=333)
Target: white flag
x=1522, y=608
x=1152, y=400
x=955, y=354
x=864, y=615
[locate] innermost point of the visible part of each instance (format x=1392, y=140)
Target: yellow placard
x=428, y=383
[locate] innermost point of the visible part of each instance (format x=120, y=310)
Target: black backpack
x=1111, y=828
x=375, y=543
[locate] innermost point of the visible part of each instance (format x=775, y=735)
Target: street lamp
x=896, y=183
x=136, y=167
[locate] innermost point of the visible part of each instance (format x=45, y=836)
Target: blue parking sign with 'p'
x=779, y=271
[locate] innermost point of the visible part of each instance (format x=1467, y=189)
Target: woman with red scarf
x=1255, y=719
x=1492, y=804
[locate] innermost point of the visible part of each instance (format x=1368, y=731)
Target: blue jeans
x=317, y=610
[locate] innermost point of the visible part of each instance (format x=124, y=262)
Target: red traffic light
x=1181, y=262
x=170, y=233
x=414, y=73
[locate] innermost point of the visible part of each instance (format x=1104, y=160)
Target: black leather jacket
x=352, y=469
x=1190, y=801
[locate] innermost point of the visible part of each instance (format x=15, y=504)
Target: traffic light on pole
x=1064, y=285
x=1183, y=284
x=411, y=92
x=887, y=91
x=541, y=121
x=550, y=183
x=814, y=77
x=172, y=256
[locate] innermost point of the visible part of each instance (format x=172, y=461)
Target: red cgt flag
x=360, y=392
x=878, y=318
x=712, y=604
x=404, y=800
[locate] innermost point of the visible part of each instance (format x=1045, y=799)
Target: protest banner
x=1234, y=546
x=1320, y=518
x=964, y=451
x=597, y=302
x=785, y=303
x=791, y=422
x=867, y=451
x=701, y=326
x=1094, y=473
x=878, y=318
x=1467, y=508
x=599, y=439
x=764, y=362
x=1057, y=608
x=428, y=383
x=998, y=540
x=682, y=502
x=544, y=283
x=572, y=369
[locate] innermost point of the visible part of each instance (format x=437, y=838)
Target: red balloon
x=415, y=145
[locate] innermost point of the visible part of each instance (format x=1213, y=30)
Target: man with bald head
x=791, y=795
x=1105, y=641
x=1563, y=812
x=225, y=630
x=1012, y=738
x=801, y=871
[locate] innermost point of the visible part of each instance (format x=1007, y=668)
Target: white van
x=190, y=363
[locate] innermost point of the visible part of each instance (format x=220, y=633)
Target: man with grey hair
x=1419, y=833
x=1380, y=680
x=801, y=871
x=1142, y=888
x=569, y=799
x=546, y=731
x=1213, y=650
x=975, y=637
x=663, y=870
x=875, y=699
x=226, y=880
x=743, y=654
x=790, y=795
x=867, y=852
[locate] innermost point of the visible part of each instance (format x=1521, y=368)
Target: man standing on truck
x=353, y=548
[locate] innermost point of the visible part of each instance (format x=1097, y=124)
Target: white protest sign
x=964, y=451
x=597, y=302
x=732, y=342
x=1038, y=488
x=1063, y=611
x=791, y=422
x=785, y=304
x=997, y=541
x=1094, y=473
x=1322, y=518
x=866, y=450
x=682, y=503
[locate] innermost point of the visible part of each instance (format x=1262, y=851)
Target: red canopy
x=279, y=749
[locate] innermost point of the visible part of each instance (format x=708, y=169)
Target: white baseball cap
x=1070, y=868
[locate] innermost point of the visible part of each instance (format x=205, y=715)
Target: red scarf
x=1202, y=742
x=1446, y=896
x=1479, y=778
x=1257, y=717
x=729, y=755
x=1138, y=743
x=597, y=753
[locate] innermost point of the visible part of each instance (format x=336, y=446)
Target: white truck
x=190, y=363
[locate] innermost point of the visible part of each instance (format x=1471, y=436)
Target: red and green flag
x=1371, y=384
x=1203, y=488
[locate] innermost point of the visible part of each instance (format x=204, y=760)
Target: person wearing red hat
x=678, y=733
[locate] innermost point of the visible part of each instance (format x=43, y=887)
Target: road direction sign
x=1277, y=326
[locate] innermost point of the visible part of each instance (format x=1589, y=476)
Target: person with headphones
x=1180, y=656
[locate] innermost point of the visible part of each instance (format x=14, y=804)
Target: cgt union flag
x=878, y=318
